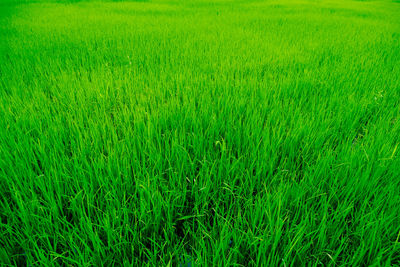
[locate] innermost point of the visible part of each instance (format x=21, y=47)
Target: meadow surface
x=200, y=133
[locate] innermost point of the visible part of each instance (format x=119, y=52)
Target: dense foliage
x=180, y=133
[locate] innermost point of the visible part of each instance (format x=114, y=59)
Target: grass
x=200, y=133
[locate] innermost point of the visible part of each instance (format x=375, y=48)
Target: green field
x=200, y=133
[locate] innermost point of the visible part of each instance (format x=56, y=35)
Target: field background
x=200, y=133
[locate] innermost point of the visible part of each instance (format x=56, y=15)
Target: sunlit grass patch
x=261, y=133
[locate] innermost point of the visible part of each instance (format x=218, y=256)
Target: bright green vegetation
x=194, y=133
